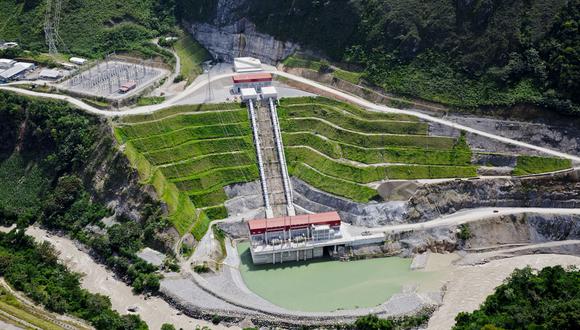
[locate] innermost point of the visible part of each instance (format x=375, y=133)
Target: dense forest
x=462, y=53
x=545, y=299
x=45, y=178
x=34, y=269
x=90, y=28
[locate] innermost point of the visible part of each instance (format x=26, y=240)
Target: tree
x=167, y=326
x=529, y=299
x=373, y=322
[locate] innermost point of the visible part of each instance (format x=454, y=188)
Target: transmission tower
x=51, y=24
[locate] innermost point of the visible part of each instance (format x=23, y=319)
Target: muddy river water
x=327, y=285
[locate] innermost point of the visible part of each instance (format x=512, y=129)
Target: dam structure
x=282, y=235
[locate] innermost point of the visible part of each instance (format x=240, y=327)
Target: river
x=326, y=285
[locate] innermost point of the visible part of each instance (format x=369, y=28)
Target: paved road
x=472, y=215
x=202, y=81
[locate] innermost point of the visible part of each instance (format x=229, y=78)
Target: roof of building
x=25, y=65
x=269, y=90
x=295, y=221
x=252, y=77
x=247, y=64
x=248, y=92
x=13, y=71
x=7, y=61
x=47, y=73
x=77, y=60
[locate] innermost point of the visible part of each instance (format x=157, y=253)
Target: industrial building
x=248, y=94
x=251, y=80
x=247, y=64
x=78, y=60
x=6, y=63
x=17, y=71
x=294, y=238
x=50, y=74
x=269, y=92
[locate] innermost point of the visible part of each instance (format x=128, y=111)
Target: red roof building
x=252, y=78
x=260, y=226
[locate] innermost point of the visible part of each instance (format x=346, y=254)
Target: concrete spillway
x=271, y=159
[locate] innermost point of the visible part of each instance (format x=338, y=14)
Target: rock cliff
x=240, y=39
x=230, y=35
x=562, y=190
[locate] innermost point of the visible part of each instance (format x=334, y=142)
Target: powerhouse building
x=294, y=238
x=251, y=80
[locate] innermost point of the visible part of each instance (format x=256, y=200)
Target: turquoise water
x=327, y=285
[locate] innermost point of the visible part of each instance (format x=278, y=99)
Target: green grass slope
x=340, y=148
x=189, y=153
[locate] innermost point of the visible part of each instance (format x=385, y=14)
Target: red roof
x=260, y=225
x=252, y=77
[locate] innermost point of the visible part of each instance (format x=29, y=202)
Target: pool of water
x=327, y=285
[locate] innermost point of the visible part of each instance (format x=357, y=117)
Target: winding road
x=203, y=80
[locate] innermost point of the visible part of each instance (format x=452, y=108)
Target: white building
x=269, y=92
x=10, y=45
x=16, y=72
x=248, y=94
x=247, y=64
x=6, y=63
x=50, y=74
x=78, y=60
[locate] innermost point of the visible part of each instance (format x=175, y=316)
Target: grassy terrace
x=340, y=148
x=534, y=165
x=189, y=153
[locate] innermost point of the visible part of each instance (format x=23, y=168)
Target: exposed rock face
x=113, y=182
x=528, y=228
x=243, y=197
x=560, y=136
x=371, y=214
x=562, y=190
x=240, y=39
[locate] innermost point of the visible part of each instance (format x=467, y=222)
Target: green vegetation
x=370, y=174
x=333, y=185
x=528, y=299
x=34, y=269
x=373, y=322
x=167, y=326
x=189, y=153
x=47, y=149
x=295, y=61
x=142, y=101
x=11, y=305
x=91, y=28
x=324, y=139
x=203, y=268
x=534, y=165
x=461, y=53
x=464, y=232
x=191, y=55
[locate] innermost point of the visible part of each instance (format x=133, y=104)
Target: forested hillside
x=58, y=168
x=88, y=27
x=464, y=53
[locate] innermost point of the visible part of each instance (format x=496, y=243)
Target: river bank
x=97, y=279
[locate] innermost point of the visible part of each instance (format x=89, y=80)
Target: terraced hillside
x=189, y=153
x=340, y=148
